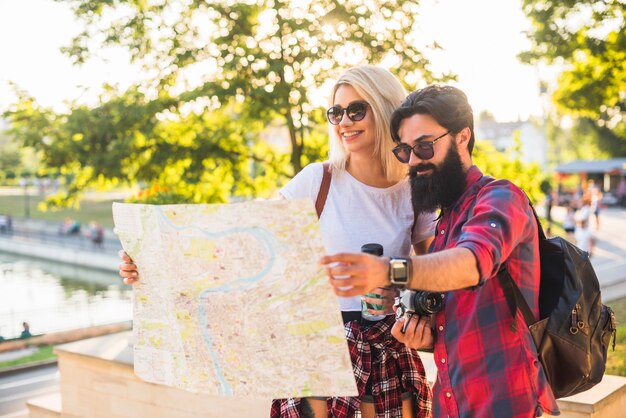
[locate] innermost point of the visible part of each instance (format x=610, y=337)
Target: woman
x=583, y=235
x=368, y=202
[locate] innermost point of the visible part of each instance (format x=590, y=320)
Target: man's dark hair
x=446, y=104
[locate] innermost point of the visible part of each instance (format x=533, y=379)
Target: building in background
x=534, y=142
x=608, y=174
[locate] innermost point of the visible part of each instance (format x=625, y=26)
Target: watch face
x=399, y=271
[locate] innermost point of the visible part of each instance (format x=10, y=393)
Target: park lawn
x=90, y=210
x=616, y=360
x=45, y=352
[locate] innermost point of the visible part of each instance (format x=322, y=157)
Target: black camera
x=417, y=302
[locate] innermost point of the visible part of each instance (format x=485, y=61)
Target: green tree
x=10, y=159
x=127, y=137
x=508, y=165
x=267, y=54
x=588, y=39
x=259, y=60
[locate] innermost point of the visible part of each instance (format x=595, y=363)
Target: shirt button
x=443, y=360
x=448, y=395
x=443, y=231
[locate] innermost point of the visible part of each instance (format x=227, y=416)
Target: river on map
x=55, y=296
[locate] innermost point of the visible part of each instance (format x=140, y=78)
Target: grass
x=45, y=352
x=616, y=360
x=90, y=210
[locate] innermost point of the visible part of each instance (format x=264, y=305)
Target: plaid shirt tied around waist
x=393, y=368
x=487, y=365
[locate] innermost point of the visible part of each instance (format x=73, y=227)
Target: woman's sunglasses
x=423, y=150
x=356, y=111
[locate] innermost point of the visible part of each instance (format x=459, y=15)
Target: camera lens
x=427, y=303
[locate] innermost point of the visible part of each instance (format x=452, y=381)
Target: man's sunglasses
x=356, y=111
x=423, y=150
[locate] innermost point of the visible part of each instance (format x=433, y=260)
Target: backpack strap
x=320, y=202
x=542, y=234
x=514, y=297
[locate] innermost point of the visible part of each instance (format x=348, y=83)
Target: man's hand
x=356, y=273
x=418, y=334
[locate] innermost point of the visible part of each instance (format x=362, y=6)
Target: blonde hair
x=384, y=93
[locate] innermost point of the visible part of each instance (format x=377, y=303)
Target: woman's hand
x=388, y=299
x=128, y=270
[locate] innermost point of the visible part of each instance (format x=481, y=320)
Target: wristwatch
x=399, y=271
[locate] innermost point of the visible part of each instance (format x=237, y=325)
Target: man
x=621, y=192
x=26, y=330
x=487, y=364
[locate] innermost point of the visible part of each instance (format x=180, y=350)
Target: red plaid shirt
x=485, y=366
x=393, y=368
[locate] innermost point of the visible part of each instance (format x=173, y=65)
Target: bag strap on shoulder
x=514, y=298
x=513, y=295
x=542, y=234
x=320, y=202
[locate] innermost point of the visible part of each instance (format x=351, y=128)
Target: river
x=55, y=296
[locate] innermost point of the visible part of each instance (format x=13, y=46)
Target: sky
x=481, y=39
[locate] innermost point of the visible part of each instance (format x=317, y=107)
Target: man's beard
x=442, y=187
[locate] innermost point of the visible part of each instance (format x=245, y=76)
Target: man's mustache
x=421, y=167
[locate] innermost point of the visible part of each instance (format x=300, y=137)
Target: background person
x=621, y=192
x=569, y=222
x=485, y=366
x=596, y=201
x=4, y=224
x=95, y=233
x=25, y=330
x=582, y=233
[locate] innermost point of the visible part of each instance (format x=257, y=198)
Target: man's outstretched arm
x=443, y=271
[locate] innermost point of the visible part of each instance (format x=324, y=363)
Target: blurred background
x=213, y=102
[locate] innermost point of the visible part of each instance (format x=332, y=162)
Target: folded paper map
x=231, y=300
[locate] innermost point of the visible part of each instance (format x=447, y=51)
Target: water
x=54, y=297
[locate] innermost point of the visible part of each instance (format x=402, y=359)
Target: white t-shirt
x=357, y=214
x=583, y=214
x=584, y=238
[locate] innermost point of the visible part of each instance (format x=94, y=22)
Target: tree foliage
x=10, y=159
x=267, y=54
x=127, y=137
x=508, y=165
x=217, y=73
x=588, y=38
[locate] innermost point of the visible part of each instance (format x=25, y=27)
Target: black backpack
x=574, y=330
